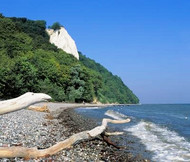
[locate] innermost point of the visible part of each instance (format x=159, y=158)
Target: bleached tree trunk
x=21, y=102
x=30, y=98
x=28, y=153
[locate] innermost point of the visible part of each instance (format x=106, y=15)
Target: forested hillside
x=28, y=62
x=113, y=89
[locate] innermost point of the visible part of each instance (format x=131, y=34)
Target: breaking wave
x=115, y=115
x=89, y=108
x=166, y=145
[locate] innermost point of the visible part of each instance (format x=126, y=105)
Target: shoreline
x=76, y=123
x=57, y=107
x=46, y=129
x=67, y=110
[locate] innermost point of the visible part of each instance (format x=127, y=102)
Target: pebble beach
x=40, y=129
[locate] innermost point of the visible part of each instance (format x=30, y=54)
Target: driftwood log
x=35, y=153
x=43, y=108
x=27, y=153
x=22, y=102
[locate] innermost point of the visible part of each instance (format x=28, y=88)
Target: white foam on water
x=115, y=115
x=166, y=145
x=89, y=108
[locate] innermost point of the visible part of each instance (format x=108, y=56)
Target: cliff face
x=63, y=40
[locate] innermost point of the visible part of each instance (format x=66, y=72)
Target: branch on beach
x=31, y=98
x=43, y=108
x=109, y=142
x=22, y=102
x=28, y=153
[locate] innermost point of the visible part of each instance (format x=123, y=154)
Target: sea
x=163, y=129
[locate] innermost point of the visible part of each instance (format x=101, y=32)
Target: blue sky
x=145, y=42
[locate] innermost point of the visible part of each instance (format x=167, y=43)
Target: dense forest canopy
x=28, y=62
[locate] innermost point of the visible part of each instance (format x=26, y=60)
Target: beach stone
x=32, y=129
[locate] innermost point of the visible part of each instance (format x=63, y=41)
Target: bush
x=56, y=26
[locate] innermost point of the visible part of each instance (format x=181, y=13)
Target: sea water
x=164, y=129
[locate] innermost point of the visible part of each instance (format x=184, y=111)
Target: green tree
x=1, y=15
x=56, y=92
x=56, y=26
x=76, y=84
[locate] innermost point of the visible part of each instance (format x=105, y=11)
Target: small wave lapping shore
x=162, y=129
x=39, y=129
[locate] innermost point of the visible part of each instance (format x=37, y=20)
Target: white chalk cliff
x=63, y=40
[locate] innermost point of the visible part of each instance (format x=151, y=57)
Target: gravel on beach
x=38, y=129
